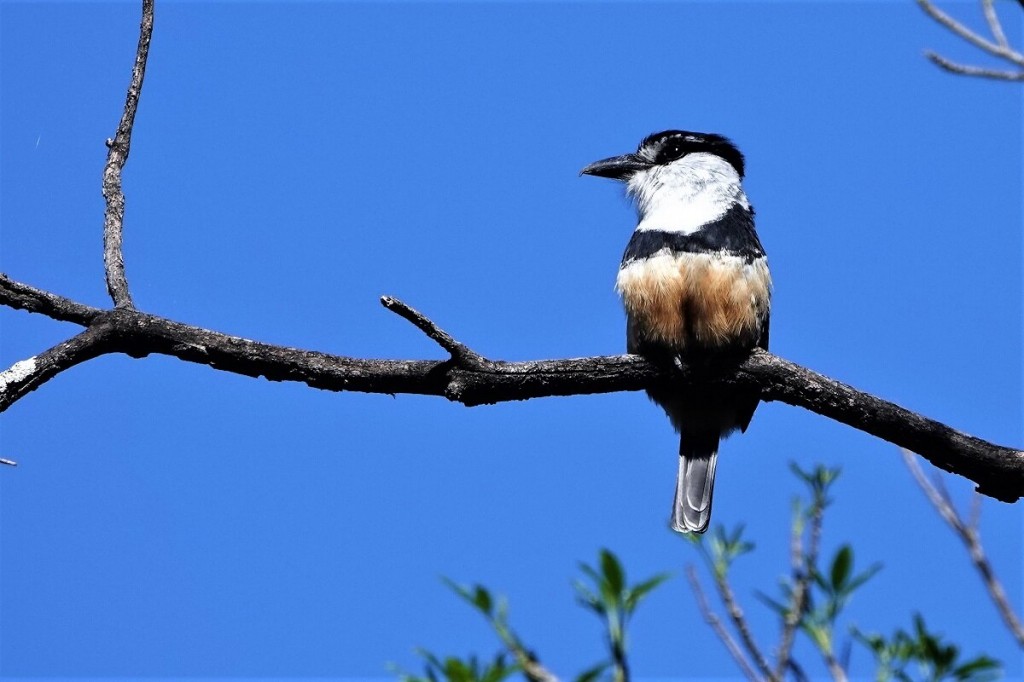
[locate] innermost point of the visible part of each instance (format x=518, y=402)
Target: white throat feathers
x=686, y=194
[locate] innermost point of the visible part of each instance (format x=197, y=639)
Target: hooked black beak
x=617, y=167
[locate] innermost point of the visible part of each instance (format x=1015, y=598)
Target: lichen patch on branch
x=17, y=373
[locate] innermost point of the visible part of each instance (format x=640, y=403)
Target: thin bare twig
x=979, y=71
x=798, y=672
x=994, y=25
x=970, y=36
x=969, y=535
x=1000, y=48
x=533, y=669
x=460, y=352
x=117, y=154
x=739, y=621
x=834, y=669
x=715, y=622
x=797, y=602
x=801, y=566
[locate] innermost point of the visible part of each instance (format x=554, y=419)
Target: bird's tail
x=695, y=484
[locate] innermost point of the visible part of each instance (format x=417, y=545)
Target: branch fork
x=462, y=355
x=998, y=46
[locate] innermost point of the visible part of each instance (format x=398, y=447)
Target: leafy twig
x=496, y=613
x=614, y=601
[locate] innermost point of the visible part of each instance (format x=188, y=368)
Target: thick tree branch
x=117, y=154
x=998, y=471
x=23, y=297
x=25, y=376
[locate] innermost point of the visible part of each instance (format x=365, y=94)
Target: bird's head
x=668, y=148
x=676, y=165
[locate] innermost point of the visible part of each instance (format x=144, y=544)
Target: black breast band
x=732, y=234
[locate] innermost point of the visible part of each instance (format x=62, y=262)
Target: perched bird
x=695, y=283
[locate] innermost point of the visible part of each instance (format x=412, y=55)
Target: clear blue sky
x=293, y=162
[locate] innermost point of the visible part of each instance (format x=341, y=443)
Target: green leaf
x=637, y=592
x=482, y=599
x=591, y=674
x=590, y=573
x=457, y=670
x=613, y=573
x=800, y=473
x=841, y=565
x=587, y=598
x=875, y=642
x=980, y=668
x=477, y=595
x=863, y=578
x=775, y=606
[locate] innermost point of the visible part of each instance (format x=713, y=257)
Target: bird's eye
x=671, y=151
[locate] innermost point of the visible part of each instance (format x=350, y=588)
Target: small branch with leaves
x=813, y=601
x=608, y=595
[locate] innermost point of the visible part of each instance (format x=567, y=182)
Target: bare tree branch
x=117, y=154
x=460, y=352
x=739, y=621
x=967, y=70
x=1000, y=48
x=968, y=534
x=715, y=622
x=25, y=376
x=969, y=35
x=23, y=297
x=998, y=471
x=834, y=669
x=994, y=26
x=801, y=566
